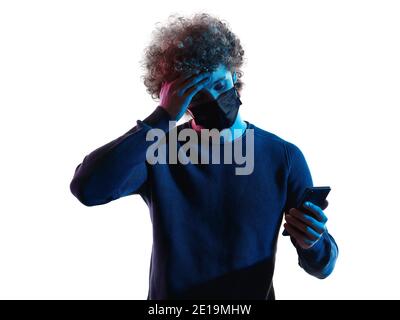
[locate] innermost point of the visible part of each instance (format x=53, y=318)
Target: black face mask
x=220, y=113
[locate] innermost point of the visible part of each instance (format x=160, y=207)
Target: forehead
x=220, y=72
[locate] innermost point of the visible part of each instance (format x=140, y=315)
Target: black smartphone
x=316, y=195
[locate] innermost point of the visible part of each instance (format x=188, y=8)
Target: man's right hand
x=176, y=95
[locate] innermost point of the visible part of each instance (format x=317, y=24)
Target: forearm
x=118, y=168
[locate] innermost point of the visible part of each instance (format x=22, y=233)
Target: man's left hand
x=306, y=227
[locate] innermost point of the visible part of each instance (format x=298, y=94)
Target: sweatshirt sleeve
x=320, y=259
x=118, y=168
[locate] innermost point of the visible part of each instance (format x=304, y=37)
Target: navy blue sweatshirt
x=214, y=232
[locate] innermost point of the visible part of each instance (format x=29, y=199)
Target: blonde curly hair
x=200, y=42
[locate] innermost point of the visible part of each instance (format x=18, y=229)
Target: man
x=214, y=231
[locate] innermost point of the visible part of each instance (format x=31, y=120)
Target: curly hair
x=200, y=42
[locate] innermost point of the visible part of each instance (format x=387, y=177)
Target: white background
x=324, y=75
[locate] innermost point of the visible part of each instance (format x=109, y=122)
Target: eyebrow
x=212, y=84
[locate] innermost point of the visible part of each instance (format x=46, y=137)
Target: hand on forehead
x=218, y=75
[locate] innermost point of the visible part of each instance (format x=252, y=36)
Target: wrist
x=159, y=118
x=172, y=113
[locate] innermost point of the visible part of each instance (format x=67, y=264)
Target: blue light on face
x=221, y=82
x=211, y=93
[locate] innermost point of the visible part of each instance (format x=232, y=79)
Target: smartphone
x=316, y=195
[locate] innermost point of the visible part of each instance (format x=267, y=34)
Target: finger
x=190, y=93
x=298, y=236
x=317, y=211
x=164, y=86
x=309, y=232
x=184, y=77
x=187, y=85
x=307, y=219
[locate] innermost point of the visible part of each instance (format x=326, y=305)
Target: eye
x=219, y=86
